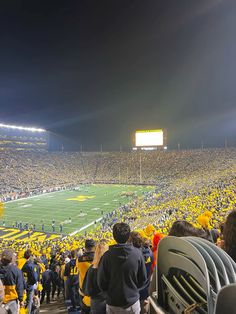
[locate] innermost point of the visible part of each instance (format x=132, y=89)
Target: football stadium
x=55, y=204
x=118, y=157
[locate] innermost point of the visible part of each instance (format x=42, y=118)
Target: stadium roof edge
x=17, y=127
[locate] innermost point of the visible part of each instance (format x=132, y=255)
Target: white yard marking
x=85, y=227
x=25, y=205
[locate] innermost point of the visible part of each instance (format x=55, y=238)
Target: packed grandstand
x=196, y=187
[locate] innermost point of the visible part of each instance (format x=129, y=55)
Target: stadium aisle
x=55, y=307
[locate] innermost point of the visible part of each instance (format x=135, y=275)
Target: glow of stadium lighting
x=165, y=147
x=15, y=127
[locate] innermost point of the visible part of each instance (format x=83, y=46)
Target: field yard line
x=25, y=198
x=85, y=227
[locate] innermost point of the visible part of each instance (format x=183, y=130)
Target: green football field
x=75, y=210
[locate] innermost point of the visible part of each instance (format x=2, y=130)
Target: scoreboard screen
x=149, y=138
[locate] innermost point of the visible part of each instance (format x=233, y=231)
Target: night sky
x=95, y=71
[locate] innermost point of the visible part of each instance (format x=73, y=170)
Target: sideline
x=38, y=195
x=85, y=227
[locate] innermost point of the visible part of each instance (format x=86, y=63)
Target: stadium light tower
x=140, y=167
x=17, y=137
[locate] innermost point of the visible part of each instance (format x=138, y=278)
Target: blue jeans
x=74, y=295
x=12, y=307
x=29, y=298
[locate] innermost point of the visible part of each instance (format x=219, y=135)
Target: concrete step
x=54, y=307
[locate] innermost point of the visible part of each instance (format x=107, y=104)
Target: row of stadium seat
x=191, y=275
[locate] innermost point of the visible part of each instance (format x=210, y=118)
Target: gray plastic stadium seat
x=178, y=254
x=213, y=273
x=226, y=300
x=229, y=264
x=221, y=268
x=194, y=271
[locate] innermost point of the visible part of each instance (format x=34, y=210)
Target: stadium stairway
x=55, y=307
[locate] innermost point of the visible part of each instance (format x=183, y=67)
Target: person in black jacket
x=30, y=271
x=90, y=286
x=56, y=284
x=122, y=273
x=46, y=283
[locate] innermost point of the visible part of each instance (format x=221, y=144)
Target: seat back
x=193, y=273
x=226, y=300
x=215, y=266
x=221, y=258
x=176, y=256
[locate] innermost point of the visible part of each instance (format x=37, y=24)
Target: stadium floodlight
x=9, y=126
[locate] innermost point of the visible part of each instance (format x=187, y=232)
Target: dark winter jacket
x=12, y=279
x=122, y=273
x=30, y=271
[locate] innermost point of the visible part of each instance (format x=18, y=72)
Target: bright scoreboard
x=149, y=138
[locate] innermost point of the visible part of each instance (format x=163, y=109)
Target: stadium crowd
x=25, y=173
x=194, y=195
x=90, y=272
